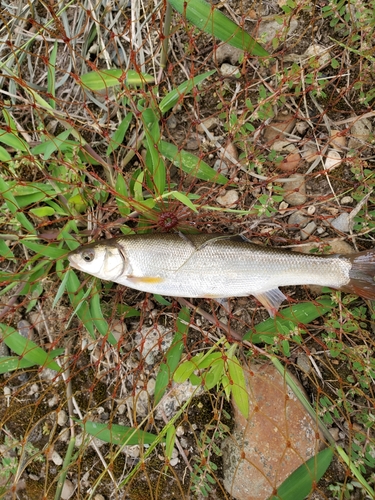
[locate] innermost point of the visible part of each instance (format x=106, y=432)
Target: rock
x=229, y=70
x=298, y=218
x=333, y=159
x=283, y=207
x=290, y=163
x=319, y=52
x=341, y=247
x=209, y=123
x=226, y=53
x=56, y=458
x=310, y=153
x=172, y=122
x=275, y=440
x=62, y=417
x=308, y=230
x=295, y=190
x=301, y=127
x=311, y=210
x=192, y=143
x=304, y=363
x=68, y=490
x=229, y=199
x=346, y=200
x=282, y=146
x=360, y=132
x=231, y=150
x=281, y=124
x=270, y=29
x=337, y=140
x=221, y=167
x=153, y=341
x=342, y=223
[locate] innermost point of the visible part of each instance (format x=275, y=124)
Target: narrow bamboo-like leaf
x=27, y=348
x=214, y=375
x=61, y=290
x=5, y=251
x=300, y=483
x=4, y=155
x=173, y=355
x=14, y=207
x=77, y=298
x=51, y=75
x=154, y=160
x=190, y=163
x=184, y=371
x=106, y=78
x=42, y=211
x=203, y=15
x=300, y=313
x=118, y=137
x=11, y=363
x=239, y=390
x=47, y=148
x=172, y=98
x=46, y=250
x=182, y=198
x=170, y=440
x=99, y=320
x=121, y=188
x=118, y=434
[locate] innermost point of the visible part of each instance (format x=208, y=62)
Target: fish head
x=103, y=260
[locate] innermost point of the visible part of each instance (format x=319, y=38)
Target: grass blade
x=212, y=21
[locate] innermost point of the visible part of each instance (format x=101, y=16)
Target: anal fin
x=271, y=300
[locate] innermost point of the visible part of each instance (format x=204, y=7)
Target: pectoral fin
x=271, y=300
x=145, y=279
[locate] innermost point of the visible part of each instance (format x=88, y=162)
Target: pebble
x=56, y=458
x=25, y=329
x=304, y=363
x=209, y=123
x=342, y=223
x=172, y=122
x=229, y=199
x=346, y=200
x=229, y=70
x=334, y=431
x=360, y=132
x=298, y=218
x=333, y=159
x=275, y=440
x=281, y=124
x=337, y=141
x=295, y=191
x=221, y=167
x=290, y=163
x=310, y=153
x=283, y=207
x=270, y=29
x=301, y=127
x=318, y=51
x=68, y=490
x=308, y=230
x=228, y=53
x=62, y=417
x=282, y=146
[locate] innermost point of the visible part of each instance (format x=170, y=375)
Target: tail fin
x=362, y=274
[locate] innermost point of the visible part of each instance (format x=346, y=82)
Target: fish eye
x=88, y=255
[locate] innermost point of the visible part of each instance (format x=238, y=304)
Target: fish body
x=217, y=266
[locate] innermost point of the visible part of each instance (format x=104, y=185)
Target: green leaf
x=182, y=198
x=184, y=371
x=300, y=313
x=190, y=163
x=51, y=75
x=173, y=355
x=99, y=80
x=154, y=160
x=170, y=440
x=4, y=155
x=173, y=97
x=46, y=250
x=118, y=434
x=42, y=211
x=11, y=363
x=77, y=298
x=122, y=201
x=59, y=143
x=5, y=252
x=118, y=137
x=212, y=21
x=99, y=320
x=301, y=483
x=13, y=206
x=239, y=389
x=27, y=348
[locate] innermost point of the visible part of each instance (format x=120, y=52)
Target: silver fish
x=217, y=266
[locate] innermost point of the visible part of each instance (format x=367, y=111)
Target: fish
x=219, y=267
